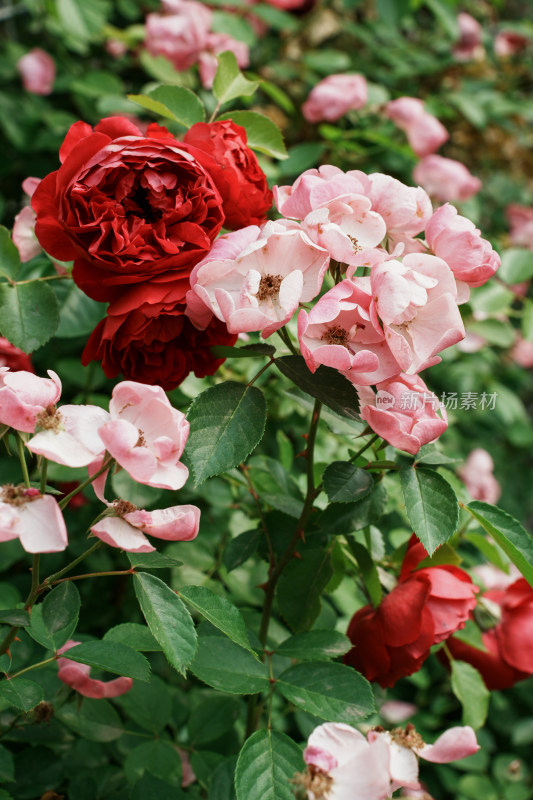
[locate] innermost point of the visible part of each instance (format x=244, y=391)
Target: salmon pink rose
x=334, y=96
x=180, y=33
x=446, y=179
x=126, y=207
x=38, y=71
x=33, y=518
x=424, y=131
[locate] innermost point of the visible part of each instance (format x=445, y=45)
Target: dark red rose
x=12, y=357
x=242, y=184
x=508, y=657
x=426, y=607
x=126, y=207
x=146, y=337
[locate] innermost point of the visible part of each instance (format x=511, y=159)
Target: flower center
x=314, y=781
x=355, y=244
x=49, y=419
x=336, y=335
x=268, y=287
x=141, y=441
x=123, y=507
x=408, y=737
x=18, y=495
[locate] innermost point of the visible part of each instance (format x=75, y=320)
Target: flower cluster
x=135, y=212
x=141, y=433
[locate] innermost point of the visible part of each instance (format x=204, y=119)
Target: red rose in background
x=240, y=180
x=126, y=207
x=426, y=607
x=509, y=644
x=12, y=357
x=147, y=338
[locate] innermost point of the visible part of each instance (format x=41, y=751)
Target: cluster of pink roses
x=470, y=46
x=141, y=432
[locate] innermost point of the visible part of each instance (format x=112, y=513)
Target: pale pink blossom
x=69, y=435
x=396, y=711
x=342, y=331
x=334, y=96
x=458, y=242
x=424, y=132
x=180, y=34
x=125, y=528
x=116, y=48
x=469, y=47
x=508, y=43
x=522, y=352
x=477, y=474
x=403, y=412
x=260, y=288
x=472, y=343
x=24, y=396
x=33, y=518
x=520, y=219
x=446, y=179
x=23, y=234
x=38, y=71
x=146, y=435
x=405, y=209
x=416, y=301
x=493, y=578
x=77, y=676
x=217, y=43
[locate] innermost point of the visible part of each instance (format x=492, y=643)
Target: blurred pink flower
x=522, y=352
x=469, y=46
x=446, y=179
x=38, y=71
x=334, y=96
x=23, y=234
x=77, y=676
x=180, y=34
x=424, y=131
x=520, y=219
x=508, y=43
x=33, y=518
x=217, y=43
x=24, y=396
x=396, y=711
x=403, y=412
x=127, y=527
x=478, y=478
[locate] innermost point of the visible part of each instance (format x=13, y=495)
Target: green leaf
x=266, y=766
x=15, y=616
x=158, y=758
x=96, y=720
x=227, y=422
x=326, y=385
x=368, y=571
x=80, y=20
x=29, y=314
x=517, y=265
x=21, y=693
x=229, y=81
x=431, y=506
x=60, y=612
x=148, y=704
x=113, y=657
x=219, y=612
x=445, y=554
x=222, y=784
x=468, y=687
x=508, y=533
x=471, y=634
x=301, y=157
x=315, y=645
x=241, y=548
x=262, y=134
x=227, y=667
x=151, y=788
x=7, y=766
x=168, y=620
x=527, y=320
x=495, y=331
x=153, y=560
x=327, y=690
x=78, y=314
x=213, y=718
x=133, y=635
x=276, y=18
x=346, y=483
x=173, y=102
x=340, y=519
x=9, y=255
x=258, y=350
x=301, y=586
x=490, y=550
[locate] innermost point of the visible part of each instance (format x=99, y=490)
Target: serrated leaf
x=173, y=102
x=21, y=693
x=368, y=571
x=266, y=766
x=151, y=104
x=228, y=667
x=445, y=554
x=431, y=506
x=133, y=635
x=219, y=612
x=96, y=720
x=148, y=704
x=262, y=134
x=168, y=620
x=241, y=548
x=213, y=718
x=157, y=759
x=512, y=537
x=330, y=691
x=7, y=766
x=153, y=560
x=29, y=314
x=78, y=314
x=60, y=612
x=301, y=586
x=346, y=483
x=113, y=657
x=342, y=518
x=227, y=422
x=222, y=784
x=258, y=350
x=229, y=81
x=315, y=645
x=469, y=688
x=15, y=616
x=326, y=385
x=9, y=255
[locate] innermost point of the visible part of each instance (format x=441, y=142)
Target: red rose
x=222, y=150
x=426, y=607
x=12, y=357
x=508, y=657
x=147, y=338
x=126, y=207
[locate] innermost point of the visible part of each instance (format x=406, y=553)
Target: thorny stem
x=129, y=571
x=251, y=488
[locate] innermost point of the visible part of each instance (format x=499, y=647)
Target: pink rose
x=69, y=435
x=126, y=528
x=33, y=518
x=520, y=219
x=403, y=412
x=469, y=45
x=508, y=43
x=424, y=131
x=522, y=352
x=181, y=34
x=38, y=71
x=334, y=96
x=24, y=396
x=477, y=475
x=405, y=209
x=446, y=179
x=77, y=677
